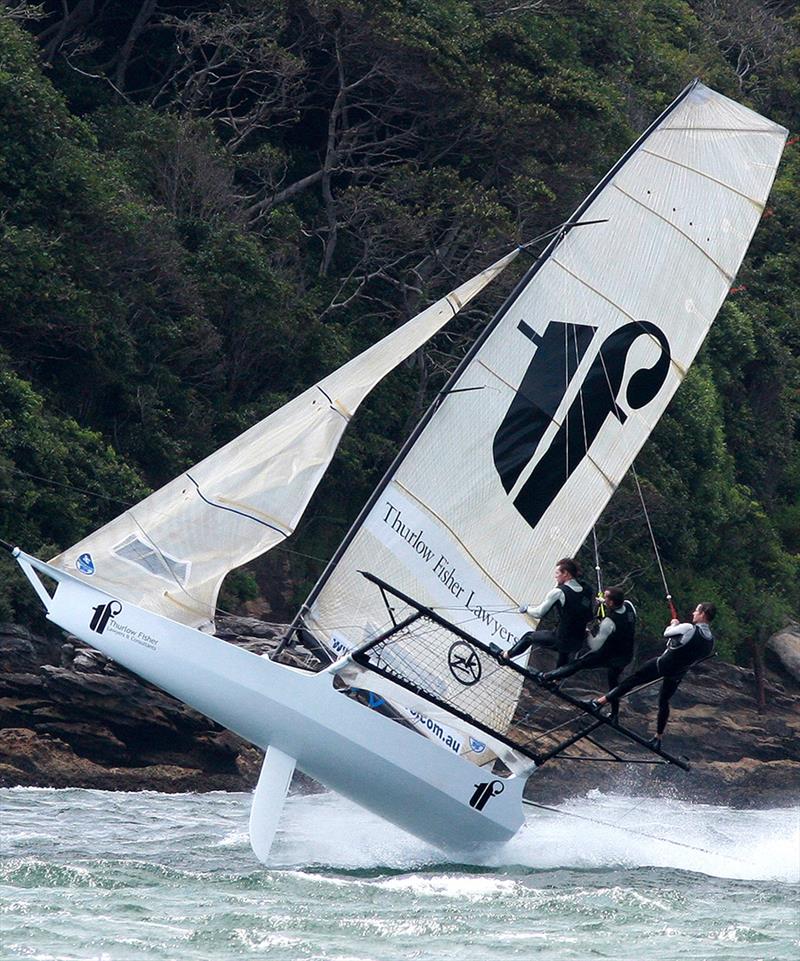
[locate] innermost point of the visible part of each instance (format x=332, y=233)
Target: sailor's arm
x=604, y=631
x=678, y=634
x=555, y=596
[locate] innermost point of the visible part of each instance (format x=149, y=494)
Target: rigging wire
x=617, y=408
x=127, y=505
x=71, y=487
x=655, y=544
x=601, y=609
x=643, y=834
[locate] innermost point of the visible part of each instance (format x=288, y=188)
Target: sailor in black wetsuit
x=573, y=602
x=686, y=644
x=611, y=647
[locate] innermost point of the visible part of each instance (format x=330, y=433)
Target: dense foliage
x=207, y=205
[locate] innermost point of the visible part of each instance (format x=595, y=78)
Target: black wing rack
x=444, y=665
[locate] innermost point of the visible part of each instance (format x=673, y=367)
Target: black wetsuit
x=575, y=612
x=617, y=630
x=687, y=644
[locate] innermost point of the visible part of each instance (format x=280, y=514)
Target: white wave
x=599, y=831
x=593, y=832
x=459, y=886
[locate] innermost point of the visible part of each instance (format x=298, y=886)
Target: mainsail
x=510, y=470
x=170, y=553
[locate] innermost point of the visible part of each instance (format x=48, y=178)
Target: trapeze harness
x=615, y=636
x=574, y=600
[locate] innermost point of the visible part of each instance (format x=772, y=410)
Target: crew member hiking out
x=686, y=644
x=573, y=602
x=610, y=647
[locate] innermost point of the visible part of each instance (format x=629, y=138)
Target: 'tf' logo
x=103, y=614
x=559, y=351
x=485, y=791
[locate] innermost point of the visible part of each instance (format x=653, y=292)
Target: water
x=126, y=876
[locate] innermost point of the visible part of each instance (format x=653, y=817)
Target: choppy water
x=128, y=876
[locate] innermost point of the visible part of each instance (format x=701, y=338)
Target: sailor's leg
x=564, y=655
x=648, y=672
x=531, y=639
x=668, y=687
x=584, y=663
x=614, y=673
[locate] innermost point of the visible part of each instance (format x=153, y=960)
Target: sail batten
x=702, y=173
x=675, y=227
x=453, y=534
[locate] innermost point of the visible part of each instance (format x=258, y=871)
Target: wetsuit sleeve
x=555, y=596
x=677, y=635
x=606, y=629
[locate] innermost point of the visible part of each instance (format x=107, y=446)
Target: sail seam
x=705, y=176
x=677, y=229
x=616, y=306
x=768, y=130
x=447, y=527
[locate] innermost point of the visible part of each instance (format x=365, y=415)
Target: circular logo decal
x=464, y=663
x=85, y=564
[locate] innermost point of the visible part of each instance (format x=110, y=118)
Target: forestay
x=511, y=469
x=170, y=553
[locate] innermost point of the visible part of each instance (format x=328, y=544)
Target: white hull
x=376, y=762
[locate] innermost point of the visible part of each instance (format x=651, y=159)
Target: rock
x=714, y=722
x=77, y=719
x=785, y=646
x=46, y=649
x=72, y=718
x=17, y=654
x=89, y=661
x=252, y=627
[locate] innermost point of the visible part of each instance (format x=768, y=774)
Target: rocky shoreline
x=69, y=717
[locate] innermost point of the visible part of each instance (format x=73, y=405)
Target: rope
x=71, y=487
x=655, y=545
x=642, y=500
x=642, y=834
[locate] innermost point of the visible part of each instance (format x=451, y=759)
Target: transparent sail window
x=134, y=550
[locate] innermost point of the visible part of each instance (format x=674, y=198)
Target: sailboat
x=408, y=713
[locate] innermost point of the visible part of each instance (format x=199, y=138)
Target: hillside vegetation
x=207, y=206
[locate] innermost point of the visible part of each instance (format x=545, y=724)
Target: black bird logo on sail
x=558, y=353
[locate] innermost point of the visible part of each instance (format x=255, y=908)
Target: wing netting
x=444, y=667
x=443, y=664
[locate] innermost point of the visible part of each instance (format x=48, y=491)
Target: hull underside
x=367, y=757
